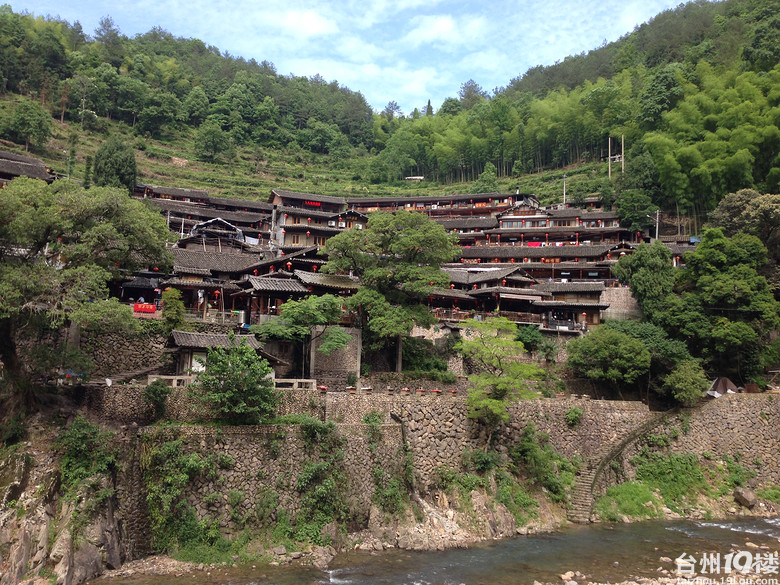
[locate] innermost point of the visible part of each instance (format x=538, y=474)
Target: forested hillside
x=695, y=93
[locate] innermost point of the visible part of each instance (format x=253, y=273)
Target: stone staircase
x=582, y=498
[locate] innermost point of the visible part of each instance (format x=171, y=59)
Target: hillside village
x=236, y=263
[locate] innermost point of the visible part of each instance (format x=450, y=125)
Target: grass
x=632, y=499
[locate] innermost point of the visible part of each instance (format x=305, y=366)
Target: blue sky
x=408, y=51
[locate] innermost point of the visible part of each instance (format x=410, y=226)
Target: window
x=295, y=239
x=295, y=220
x=319, y=240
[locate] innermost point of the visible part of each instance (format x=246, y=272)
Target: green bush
x=12, y=432
x=534, y=453
x=771, y=493
x=573, y=416
x=157, y=394
x=511, y=494
x=677, y=476
x=481, y=461
x=86, y=451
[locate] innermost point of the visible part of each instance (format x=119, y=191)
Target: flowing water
x=603, y=552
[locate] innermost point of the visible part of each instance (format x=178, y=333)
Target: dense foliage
x=498, y=377
x=692, y=91
x=397, y=258
x=60, y=246
x=236, y=385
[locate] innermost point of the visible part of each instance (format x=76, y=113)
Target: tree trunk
x=399, y=354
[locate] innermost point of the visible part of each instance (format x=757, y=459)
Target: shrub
x=157, y=394
x=534, y=453
x=573, y=416
x=86, y=451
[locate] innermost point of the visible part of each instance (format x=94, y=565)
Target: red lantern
x=289, y=266
x=314, y=268
x=273, y=269
x=308, y=233
x=452, y=286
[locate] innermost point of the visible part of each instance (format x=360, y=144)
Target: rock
x=745, y=497
x=296, y=555
x=665, y=560
x=567, y=576
x=279, y=551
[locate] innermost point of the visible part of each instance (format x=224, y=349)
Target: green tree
x=687, y=382
x=609, y=356
x=397, y=258
x=59, y=247
x=211, y=140
x=30, y=123
x=487, y=181
x=665, y=352
x=749, y=212
x=236, y=384
x=114, y=165
x=173, y=309
x=499, y=377
x=722, y=307
x=636, y=211
x=307, y=321
x=650, y=275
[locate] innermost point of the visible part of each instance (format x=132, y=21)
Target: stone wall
x=265, y=462
x=622, y=304
x=115, y=353
x=438, y=429
x=333, y=369
x=738, y=424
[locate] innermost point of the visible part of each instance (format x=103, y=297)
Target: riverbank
x=619, y=554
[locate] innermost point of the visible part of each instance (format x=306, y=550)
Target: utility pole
x=564, y=188
x=609, y=157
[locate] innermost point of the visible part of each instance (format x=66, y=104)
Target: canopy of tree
x=398, y=258
x=718, y=304
x=59, y=248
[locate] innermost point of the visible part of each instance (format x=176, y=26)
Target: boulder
x=745, y=497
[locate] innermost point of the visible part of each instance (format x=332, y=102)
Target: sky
x=407, y=51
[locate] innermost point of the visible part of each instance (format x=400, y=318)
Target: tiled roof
x=582, y=213
x=363, y=201
x=298, y=211
x=287, y=285
x=191, y=270
x=202, y=212
x=205, y=285
x=215, y=261
x=202, y=340
x=577, y=304
x=472, y=276
x=570, y=286
x=468, y=222
x=536, y=252
x=308, y=196
x=23, y=166
x=504, y=290
x=334, y=281
x=197, y=193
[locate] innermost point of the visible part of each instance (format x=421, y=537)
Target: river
x=603, y=552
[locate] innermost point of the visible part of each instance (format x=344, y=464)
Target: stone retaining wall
x=266, y=463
